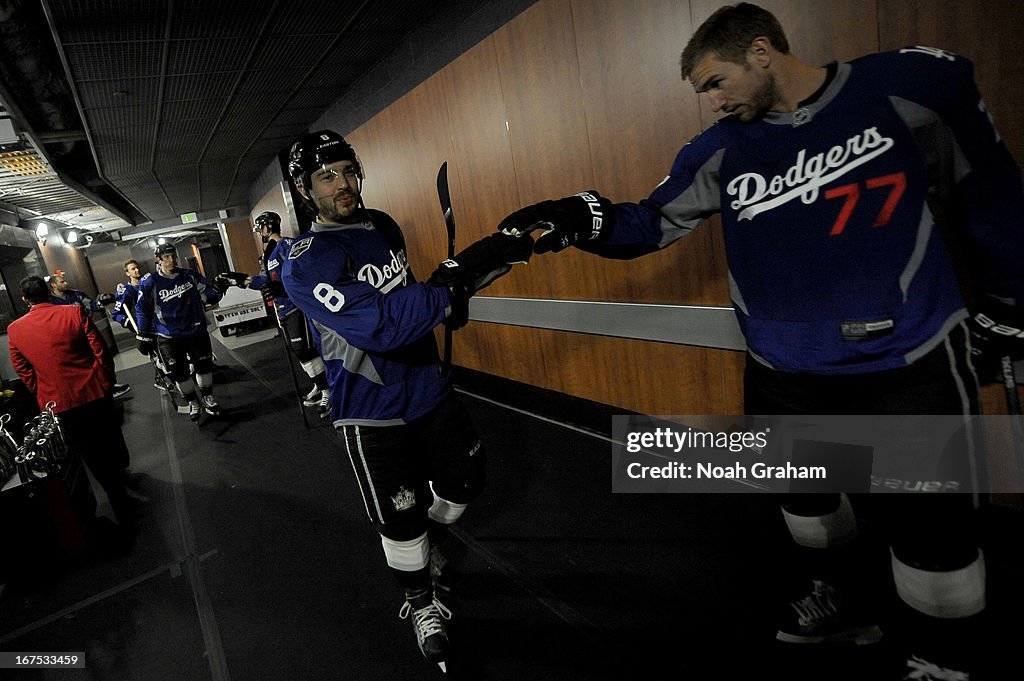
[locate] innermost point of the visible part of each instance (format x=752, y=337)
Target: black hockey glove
x=105, y=298
x=146, y=344
x=272, y=289
x=997, y=331
x=225, y=280
x=477, y=267
x=585, y=217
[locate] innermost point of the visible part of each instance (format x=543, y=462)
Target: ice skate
x=312, y=398
x=428, y=616
x=210, y=405
x=323, y=404
x=820, y=617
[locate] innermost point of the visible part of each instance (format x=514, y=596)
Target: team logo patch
x=404, y=500
x=300, y=247
x=120, y=289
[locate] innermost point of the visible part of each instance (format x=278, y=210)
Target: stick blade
x=446, y=201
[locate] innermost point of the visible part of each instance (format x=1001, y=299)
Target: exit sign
x=189, y=217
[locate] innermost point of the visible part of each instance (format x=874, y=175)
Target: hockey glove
x=997, y=331
x=146, y=344
x=105, y=298
x=272, y=289
x=585, y=217
x=483, y=262
x=225, y=280
x=477, y=267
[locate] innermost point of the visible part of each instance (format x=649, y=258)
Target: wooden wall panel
x=584, y=94
x=415, y=137
x=376, y=164
x=481, y=172
x=653, y=378
x=985, y=31
x=818, y=32
x=540, y=84
x=246, y=247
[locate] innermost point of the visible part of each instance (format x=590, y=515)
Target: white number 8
x=331, y=297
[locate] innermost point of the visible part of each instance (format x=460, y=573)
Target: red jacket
x=59, y=356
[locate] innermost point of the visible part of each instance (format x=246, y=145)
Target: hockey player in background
x=292, y=321
x=842, y=284
x=61, y=293
x=125, y=297
x=416, y=455
x=171, y=315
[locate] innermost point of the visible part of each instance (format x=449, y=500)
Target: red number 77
x=898, y=182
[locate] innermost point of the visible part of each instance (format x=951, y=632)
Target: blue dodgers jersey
x=173, y=306
x=371, y=321
x=76, y=297
x=123, y=312
x=272, y=263
x=836, y=263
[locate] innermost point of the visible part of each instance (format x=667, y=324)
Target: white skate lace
x=818, y=606
x=923, y=670
x=427, y=619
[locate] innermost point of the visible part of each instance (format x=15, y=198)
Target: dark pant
x=299, y=339
x=93, y=431
x=396, y=466
x=178, y=353
x=924, y=529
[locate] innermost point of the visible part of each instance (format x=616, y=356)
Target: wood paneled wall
x=246, y=250
x=578, y=94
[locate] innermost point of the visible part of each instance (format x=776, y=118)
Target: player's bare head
x=728, y=34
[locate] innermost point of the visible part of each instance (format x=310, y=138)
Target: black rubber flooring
x=253, y=560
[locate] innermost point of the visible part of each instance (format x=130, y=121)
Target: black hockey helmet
x=315, y=150
x=268, y=219
x=164, y=248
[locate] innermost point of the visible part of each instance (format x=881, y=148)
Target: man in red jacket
x=60, y=357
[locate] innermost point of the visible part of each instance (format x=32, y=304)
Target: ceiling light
x=72, y=236
x=42, y=230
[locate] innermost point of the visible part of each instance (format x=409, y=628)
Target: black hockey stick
x=291, y=365
x=1010, y=383
x=449, y=222
x=1013, y=409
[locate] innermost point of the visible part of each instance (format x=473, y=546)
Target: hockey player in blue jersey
x=417, y=458
x=293, y=323
x=125, y=297
x=172, y=321
x=841, y=280
x=61, y=293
